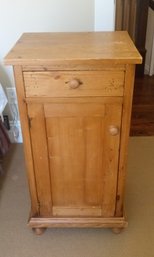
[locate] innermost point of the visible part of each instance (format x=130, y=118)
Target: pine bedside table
x=75, y=96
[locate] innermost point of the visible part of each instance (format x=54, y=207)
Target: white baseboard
x=146, y=69
x=15, y=133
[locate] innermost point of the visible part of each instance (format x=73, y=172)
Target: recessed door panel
x=83, y=157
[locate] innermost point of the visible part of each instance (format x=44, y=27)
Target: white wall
x=18, y=16
x=104, y=15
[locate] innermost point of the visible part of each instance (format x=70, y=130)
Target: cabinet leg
x=117, y=230
x=39, y=231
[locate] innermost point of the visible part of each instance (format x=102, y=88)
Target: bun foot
x=39, y=231
x=117, y=230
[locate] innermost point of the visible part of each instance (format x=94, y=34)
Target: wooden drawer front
x=77, y=83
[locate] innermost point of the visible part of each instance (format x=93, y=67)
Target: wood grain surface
x=54, y=48
x=75, y=97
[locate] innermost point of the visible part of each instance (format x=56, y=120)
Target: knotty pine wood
x=79, y=48
x=76, y=66
x=102, y=100
x=76, y=146
x=40, y=158
x=125, y=128
x=26, y=138
x=57, y=84
x=78, y=222
x=77, y=136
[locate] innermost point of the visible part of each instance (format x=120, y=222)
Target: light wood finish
x=79, y=48
x=102, y=100
x=39, y=231
x=127, y=106
x=75, y=104
x=80, y=211
x=40, y=158
x=78, y=222
x=85, y=65
x=78, y=157
x=26, y=139
x=85, y=83
x=72, y=110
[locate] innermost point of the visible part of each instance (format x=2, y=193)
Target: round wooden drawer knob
x=114, y=130
x=74, y=83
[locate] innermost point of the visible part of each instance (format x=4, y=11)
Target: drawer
x=74, y=83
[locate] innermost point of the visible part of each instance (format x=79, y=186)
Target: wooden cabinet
x=79, y=154
x=74, y=93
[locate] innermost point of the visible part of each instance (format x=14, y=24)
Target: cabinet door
x=75, y=150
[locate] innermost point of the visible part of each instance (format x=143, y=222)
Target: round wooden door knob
x=114, y=130
x=74, y=83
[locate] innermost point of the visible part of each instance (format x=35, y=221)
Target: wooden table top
x=47, y=48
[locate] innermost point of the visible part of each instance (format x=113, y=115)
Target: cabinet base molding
x=114, y=222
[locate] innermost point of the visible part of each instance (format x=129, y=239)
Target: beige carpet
x=16, y=240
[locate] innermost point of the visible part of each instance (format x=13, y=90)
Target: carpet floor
x=17, y=240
